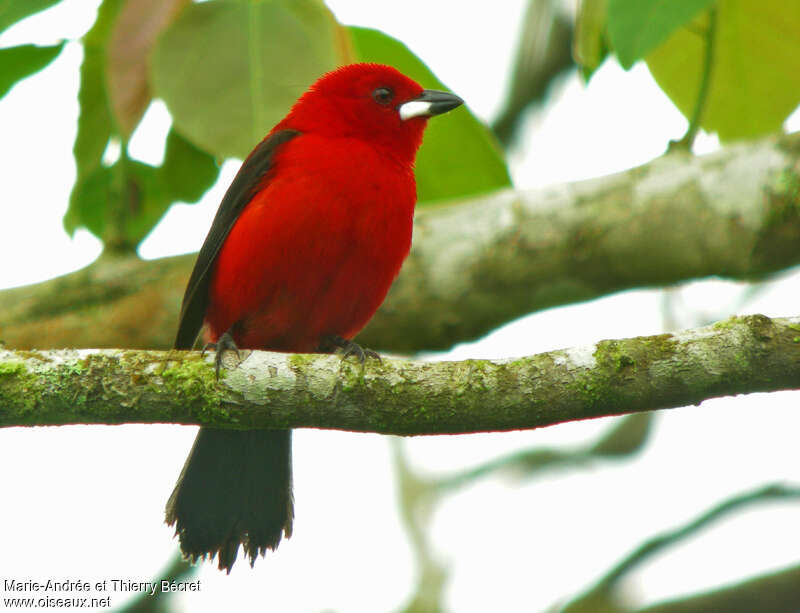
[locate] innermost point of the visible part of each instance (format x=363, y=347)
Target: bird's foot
x=348, y=347
x=224, y=343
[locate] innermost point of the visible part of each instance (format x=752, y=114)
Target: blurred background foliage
x=223, y=97
x=229, y=69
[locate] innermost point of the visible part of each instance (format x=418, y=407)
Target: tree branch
x=604, y=594
x=272, y=390
x=479, y=264
x=625, y=437
x=775, y=592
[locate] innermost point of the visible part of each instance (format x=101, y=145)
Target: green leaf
x=229, y=70
x=88, y=201
x=187, y=172
x=459, y=155
x=95, y=127
x=638, y=26
x=16, y=63
x=590, y=46
x=755, y=75
x=94, y=118
x=185, y=175
x=123, y=202
x=148, y=199
x=12, y=11
x=148, y=191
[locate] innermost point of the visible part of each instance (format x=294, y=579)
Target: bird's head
x=371, y=102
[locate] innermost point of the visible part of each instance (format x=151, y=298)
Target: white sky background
x=87, y=502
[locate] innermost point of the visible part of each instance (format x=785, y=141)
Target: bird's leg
x=348, y=347
x=224, y=343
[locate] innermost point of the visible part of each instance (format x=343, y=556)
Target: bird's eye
x=383, y=95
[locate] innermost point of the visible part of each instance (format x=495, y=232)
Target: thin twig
x=646, y=550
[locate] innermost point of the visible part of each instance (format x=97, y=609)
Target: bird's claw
x=360, y=353
x=224, y=343
x=349, y=348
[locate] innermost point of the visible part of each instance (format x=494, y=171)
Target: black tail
x=236, y=487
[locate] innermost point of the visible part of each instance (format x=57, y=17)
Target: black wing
x=247, y=181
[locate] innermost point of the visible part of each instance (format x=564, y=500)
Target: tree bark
x=273, y=390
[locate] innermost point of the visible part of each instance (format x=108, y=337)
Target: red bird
x=301, y=253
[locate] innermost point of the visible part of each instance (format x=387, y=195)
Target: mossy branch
x=272, y=390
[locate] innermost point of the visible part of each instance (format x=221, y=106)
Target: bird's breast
x=315, y=251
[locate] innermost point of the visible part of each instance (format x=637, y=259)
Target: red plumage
x=304, y=248
x=316, y=249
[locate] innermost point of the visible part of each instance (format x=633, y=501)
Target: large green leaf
x=638, y=26
x=16, y=63
x=755, y=75
x=12, y=11
x=229, y=70
x=459, y=156
x=94, y=127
